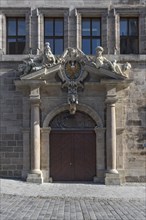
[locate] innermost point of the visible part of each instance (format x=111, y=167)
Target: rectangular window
x=91, y=34
x=54, y=34
x=16, y=35
x=129, y=36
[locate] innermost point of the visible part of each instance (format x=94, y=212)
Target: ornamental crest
x=72, y=69
x=73, y=74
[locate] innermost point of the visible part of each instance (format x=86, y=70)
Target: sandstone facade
x=17, y=153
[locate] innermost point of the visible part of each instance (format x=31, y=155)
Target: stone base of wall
x=136, y=179
x=113, y=179
x=34, y=178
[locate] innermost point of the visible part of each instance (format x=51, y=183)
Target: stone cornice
x=119, y=84
x=134, y=9
x=52, y=11
x=22, y=11
x=92, y=11
x=134, y=58
x=29, y=83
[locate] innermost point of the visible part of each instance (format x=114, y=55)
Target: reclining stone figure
x=103, y=62
x=46, y=59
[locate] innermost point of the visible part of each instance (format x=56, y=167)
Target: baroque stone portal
x=90, y=86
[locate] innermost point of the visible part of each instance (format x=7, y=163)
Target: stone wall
x=135, y=133
x=10, y=125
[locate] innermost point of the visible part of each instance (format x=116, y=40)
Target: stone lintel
x=118, y=84
x=29, y=83
x=53, y=11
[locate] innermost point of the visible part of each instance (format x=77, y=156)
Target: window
x=54, y=34
x=129, y=36
x=16, y=35
x=91, y=34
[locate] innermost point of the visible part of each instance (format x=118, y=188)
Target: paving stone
x=73, y=208
x=64, y=202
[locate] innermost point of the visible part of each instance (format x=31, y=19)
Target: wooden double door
x=72, y=155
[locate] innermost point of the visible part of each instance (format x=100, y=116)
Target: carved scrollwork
x=73, y=74
x=79, y=120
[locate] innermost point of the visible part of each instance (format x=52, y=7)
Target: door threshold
x=75, y=182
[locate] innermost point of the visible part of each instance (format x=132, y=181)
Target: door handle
x=70, y=164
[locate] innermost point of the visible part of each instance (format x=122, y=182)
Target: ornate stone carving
x=73, y=61
x=46, y=59
x=66, y=120
x=73, y=74
x=72, y=68
x=72, y=96
x=103, y=62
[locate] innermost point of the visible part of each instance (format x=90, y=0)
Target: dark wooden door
x=72, y=155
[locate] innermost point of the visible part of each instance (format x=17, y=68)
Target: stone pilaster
x=36, y=174
x=28, y=31
x=78, y=30
x=66, y=30
x=45, y=153
x=112, y=176
x=40, y=30
x=1, y=36
x=100, y=155
x=104, y=32
x=26, y=154
x=4, y=33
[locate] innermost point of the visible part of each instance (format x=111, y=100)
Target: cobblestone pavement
x=31, y=208
x=60, y=201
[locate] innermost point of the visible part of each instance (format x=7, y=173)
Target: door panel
x=85, y=156
x=72, y=155
x=60, y=156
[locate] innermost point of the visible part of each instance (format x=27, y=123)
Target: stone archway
x=80, y=107
x=97, y=131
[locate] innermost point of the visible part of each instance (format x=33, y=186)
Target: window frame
x=132, y=12
x=54, y=37
x=16, y=37
x=128, y=37
x=91, y=37
x=101, y=13
x=52, y=13
x=15, y=12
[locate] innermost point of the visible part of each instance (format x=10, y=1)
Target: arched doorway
x=72, y=147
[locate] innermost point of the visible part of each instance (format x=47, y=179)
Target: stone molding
x=46, y=130
x=81, y=107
